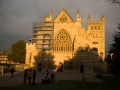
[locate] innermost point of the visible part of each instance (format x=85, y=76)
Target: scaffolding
x=43, y=35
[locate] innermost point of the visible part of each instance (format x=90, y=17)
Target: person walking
x=12, y=71
x=46, y=75
x=34, y=76
x=25, y=76
x=29, y=76
x=52, y=78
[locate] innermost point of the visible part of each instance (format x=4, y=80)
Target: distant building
x=62, y=38
x=3, y=56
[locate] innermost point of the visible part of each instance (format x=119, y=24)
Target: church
x=63, y=44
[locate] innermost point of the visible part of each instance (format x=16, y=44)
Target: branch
x=118, y=26
x=114, y=1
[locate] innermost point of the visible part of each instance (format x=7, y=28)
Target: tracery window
x=63, y=42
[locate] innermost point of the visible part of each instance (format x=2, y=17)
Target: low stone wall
x=7, y=67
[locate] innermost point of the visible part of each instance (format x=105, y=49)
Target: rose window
x=62, y=41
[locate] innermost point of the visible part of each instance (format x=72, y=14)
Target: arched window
x=62, y=41
x=98, y=27
x=95, y=27
x=91, y=27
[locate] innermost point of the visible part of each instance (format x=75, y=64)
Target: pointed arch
x=62, y=41
x=30, y=57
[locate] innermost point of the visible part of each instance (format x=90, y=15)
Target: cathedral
x=63, y=44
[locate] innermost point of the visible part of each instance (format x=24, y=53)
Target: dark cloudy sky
x=17, y=16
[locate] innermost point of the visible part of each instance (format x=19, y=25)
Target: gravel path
x=17, y=79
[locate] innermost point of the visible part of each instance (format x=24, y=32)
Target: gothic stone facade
x=68, y=36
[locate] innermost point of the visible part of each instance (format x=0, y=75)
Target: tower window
x=98, y=27
x=94, y=42
x=95, y=27
x=92, y=27
x=94, y=49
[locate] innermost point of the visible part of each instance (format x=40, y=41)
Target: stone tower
x=97, y=31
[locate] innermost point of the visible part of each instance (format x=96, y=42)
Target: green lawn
x=110, y=83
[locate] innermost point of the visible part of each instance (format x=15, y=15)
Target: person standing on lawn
x=12, y=71
x=25, y=76
x=34, y=76
x=29, y=76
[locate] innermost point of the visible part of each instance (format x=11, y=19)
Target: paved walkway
x=17, y=79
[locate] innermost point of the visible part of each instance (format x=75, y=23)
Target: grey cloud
x=17, y=16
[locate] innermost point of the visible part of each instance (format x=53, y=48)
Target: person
x=39, y=67
x=46, y=74
x=29, y=76
x=52, y=78
x=31, y=69
x=12, y=71
x=25, y=76
x=34, y=76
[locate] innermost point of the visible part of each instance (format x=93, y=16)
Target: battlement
x=30, y=44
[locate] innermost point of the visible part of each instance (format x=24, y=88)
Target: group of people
x=30, y=75
x=47, y=79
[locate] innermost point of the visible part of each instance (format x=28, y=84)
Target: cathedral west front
x=64, y=42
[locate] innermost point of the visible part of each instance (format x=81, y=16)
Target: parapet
x=30, y=44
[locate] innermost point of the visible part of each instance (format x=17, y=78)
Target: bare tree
x=118, y=26
x=114, y=1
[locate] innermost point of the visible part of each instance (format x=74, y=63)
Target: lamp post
x=46, y=63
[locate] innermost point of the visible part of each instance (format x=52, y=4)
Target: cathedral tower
x=97, y=30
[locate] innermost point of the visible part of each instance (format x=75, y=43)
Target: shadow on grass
x=110, y=79
x=109, y=84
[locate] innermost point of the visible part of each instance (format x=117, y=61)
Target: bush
x=99, y=76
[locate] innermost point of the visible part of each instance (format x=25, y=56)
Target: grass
x=109, y=83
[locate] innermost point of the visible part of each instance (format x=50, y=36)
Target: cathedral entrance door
x=81, y=68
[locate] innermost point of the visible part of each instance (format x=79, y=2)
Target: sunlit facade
x=63, y=37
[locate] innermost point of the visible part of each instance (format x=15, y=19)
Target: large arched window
x=62, y=42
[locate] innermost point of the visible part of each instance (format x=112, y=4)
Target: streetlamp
x=46, y=63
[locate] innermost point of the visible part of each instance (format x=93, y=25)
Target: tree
x=18, y=52
x=113, y=59
x=114, y=54
x=115, y=1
